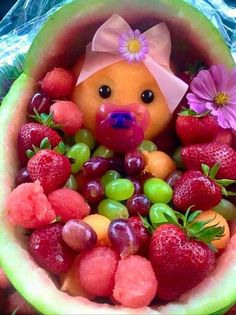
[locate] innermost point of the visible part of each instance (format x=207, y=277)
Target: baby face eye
x=105, y=91
x=147, y=96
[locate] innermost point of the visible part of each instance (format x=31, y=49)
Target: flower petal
x=220, y=76
x=203, y=85
x=196, y=103
x=227, y=117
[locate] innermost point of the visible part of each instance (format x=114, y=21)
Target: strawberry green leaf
x=61, y=148
x=205, y=169
x=45, y=144
x=225, y=182
x=214, y=170
x=146, y=224
x=30, y=153
x=193, y=216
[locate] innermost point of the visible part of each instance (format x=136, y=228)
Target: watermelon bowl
x=62, y=39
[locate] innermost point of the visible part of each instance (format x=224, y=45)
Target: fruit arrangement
x=107, y=211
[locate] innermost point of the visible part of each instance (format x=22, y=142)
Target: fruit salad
x=125, y=189
x=135, y=227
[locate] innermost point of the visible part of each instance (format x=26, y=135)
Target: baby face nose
x=121, y=120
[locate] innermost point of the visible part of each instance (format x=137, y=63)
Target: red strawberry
x=58, y=83
x=194, y=129
x=195, y=189
x=181, y=265
x=67, y=115
x=32, y=134
x=50, y=168
x=49, y=250
x=224, y=136
x=211, y=153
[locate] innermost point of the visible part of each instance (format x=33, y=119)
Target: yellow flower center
x=221, y=99
x=134, y=46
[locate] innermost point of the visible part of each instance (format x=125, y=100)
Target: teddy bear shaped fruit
x=107, y=213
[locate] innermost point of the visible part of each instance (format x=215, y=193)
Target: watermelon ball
x=15, y=304
x=67, y=115
x=68, y=204
x=28, y=206
x=58, y=83
x=96, y=271
x=49, y=250
x=135, y=282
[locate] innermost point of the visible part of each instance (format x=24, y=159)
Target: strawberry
x=211, y=153
x=179, y=263
x=67, y=115
x=195, y=189
x=193, y=128
x=49, y=250
x=32, y=134
x=50, y=168
x=58, y=83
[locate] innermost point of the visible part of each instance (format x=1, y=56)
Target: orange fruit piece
x=100, y=224
x=220, y=221
x=158, y=164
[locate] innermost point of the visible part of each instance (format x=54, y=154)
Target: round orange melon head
x=127, y=82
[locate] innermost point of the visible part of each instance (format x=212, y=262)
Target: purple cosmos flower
x=133, y=46
x=214, y=90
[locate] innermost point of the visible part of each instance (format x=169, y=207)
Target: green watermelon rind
x=31, y=280
x=196, y=22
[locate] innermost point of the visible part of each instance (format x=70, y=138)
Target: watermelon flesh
x=58, y=44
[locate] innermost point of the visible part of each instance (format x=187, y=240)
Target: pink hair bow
x=115, y=41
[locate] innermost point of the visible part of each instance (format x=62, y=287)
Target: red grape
x=95, y=167
x=116, y=163
x=22, y=176
x=134, y=163
x=141, y=232
x=40, y=102
x=172, y=179
x=93, y=191
x=79, y=235
x=137, y=184
x=123, y=237
x=138, y=203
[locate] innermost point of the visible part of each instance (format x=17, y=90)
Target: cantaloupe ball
x=127, y=82
x=100, y=224
x=220, y=221
x=158, y=164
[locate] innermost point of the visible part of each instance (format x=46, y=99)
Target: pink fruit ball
x=68, y=204
x=28, y=206
x=58, y=83
x=135, y=282
x=68, y=116
x=4, y=282
x=97, y=269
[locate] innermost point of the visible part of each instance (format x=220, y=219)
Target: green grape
x=80, y=153
x=85, y=136
x=147, y=145
x=119, y=189
x=157, y=211
x=226, y=209
x=157, y=190
x=109, y=176
x=71, y=183
x=112, y=209
x=103, y=152
x=178, y=158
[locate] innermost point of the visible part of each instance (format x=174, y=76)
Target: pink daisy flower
x=214, y=90
x=133, y=46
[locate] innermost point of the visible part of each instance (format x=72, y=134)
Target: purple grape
x=123, y=237
x=93, y=191
x=134, y=163
x=95, y=167
x=40, y=102
x=116, y=163
x=172, y=178
x=79, y=235
x=138, y=204
x=137, y=185
x=22, y=177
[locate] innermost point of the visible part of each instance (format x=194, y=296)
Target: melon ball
x=96, y=271
x=68, y=204
x=135, y=282
x=58, y=83
x=28, y=206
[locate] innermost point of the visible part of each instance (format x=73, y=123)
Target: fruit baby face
x=128, y=89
